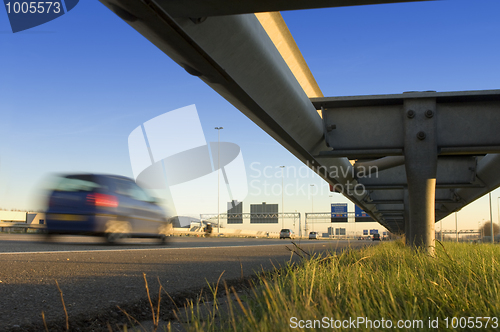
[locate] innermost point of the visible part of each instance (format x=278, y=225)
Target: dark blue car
x=105, y=205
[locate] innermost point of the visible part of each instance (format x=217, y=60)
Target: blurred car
x=286, y=233
x=376, y=237
x=111, y=206
x=313, y=236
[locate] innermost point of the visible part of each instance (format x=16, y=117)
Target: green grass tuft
x=388, y=281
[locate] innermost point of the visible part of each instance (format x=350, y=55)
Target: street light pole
x=330, y=209
x=312, y=206
x=456, y=226
x=441, y=228
x=282, y=198
x=481, y=229
x=491, y=223
x=498, y=198
x=312, y=199
x=218, y=179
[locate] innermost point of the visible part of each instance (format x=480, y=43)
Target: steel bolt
x=429, y=113
x=410, y=114
x=421, y=135
x=331, y=127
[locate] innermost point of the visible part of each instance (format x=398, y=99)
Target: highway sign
x=339, y=212
x=361, y=216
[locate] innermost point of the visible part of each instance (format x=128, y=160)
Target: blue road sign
x=339, y=212
x=360, y=215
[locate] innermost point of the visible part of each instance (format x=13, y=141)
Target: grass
x=389, y=282
x=373, y=288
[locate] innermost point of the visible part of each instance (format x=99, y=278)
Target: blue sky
x=73, y=89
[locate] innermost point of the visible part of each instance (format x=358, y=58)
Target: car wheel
x=117, y=230
x=164, y=232
x=48, y=237
x=163, y=239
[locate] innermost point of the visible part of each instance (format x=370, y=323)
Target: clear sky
x=73, y=89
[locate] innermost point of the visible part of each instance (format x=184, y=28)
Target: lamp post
x=312, y=199
x=218, y=178
x=330, y=209
x=481, y=230
x=491, y=223
x=312, y=205
x=441, y=228
x=282, y=198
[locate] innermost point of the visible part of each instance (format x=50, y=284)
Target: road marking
x=131, y=249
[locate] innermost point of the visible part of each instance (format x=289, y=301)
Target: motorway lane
x=96, y=277
x=17, y=243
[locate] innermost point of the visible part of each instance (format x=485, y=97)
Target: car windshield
x=77, y=183
x=130, y=189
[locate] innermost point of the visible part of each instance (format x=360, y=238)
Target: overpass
x=435, y=152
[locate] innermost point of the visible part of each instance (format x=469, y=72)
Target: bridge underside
x=429, y=153
x=435, y=152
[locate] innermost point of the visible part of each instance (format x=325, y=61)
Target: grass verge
x=388, y=287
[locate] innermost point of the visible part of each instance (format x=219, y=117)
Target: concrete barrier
x=226, y=232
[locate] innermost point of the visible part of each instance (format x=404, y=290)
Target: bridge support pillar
x=420, y=151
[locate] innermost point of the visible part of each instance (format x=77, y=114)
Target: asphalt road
x=95, y=277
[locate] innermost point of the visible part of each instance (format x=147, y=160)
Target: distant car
x=286, y=234
x=376, y=237
x=313, y=235
x=111, y=206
